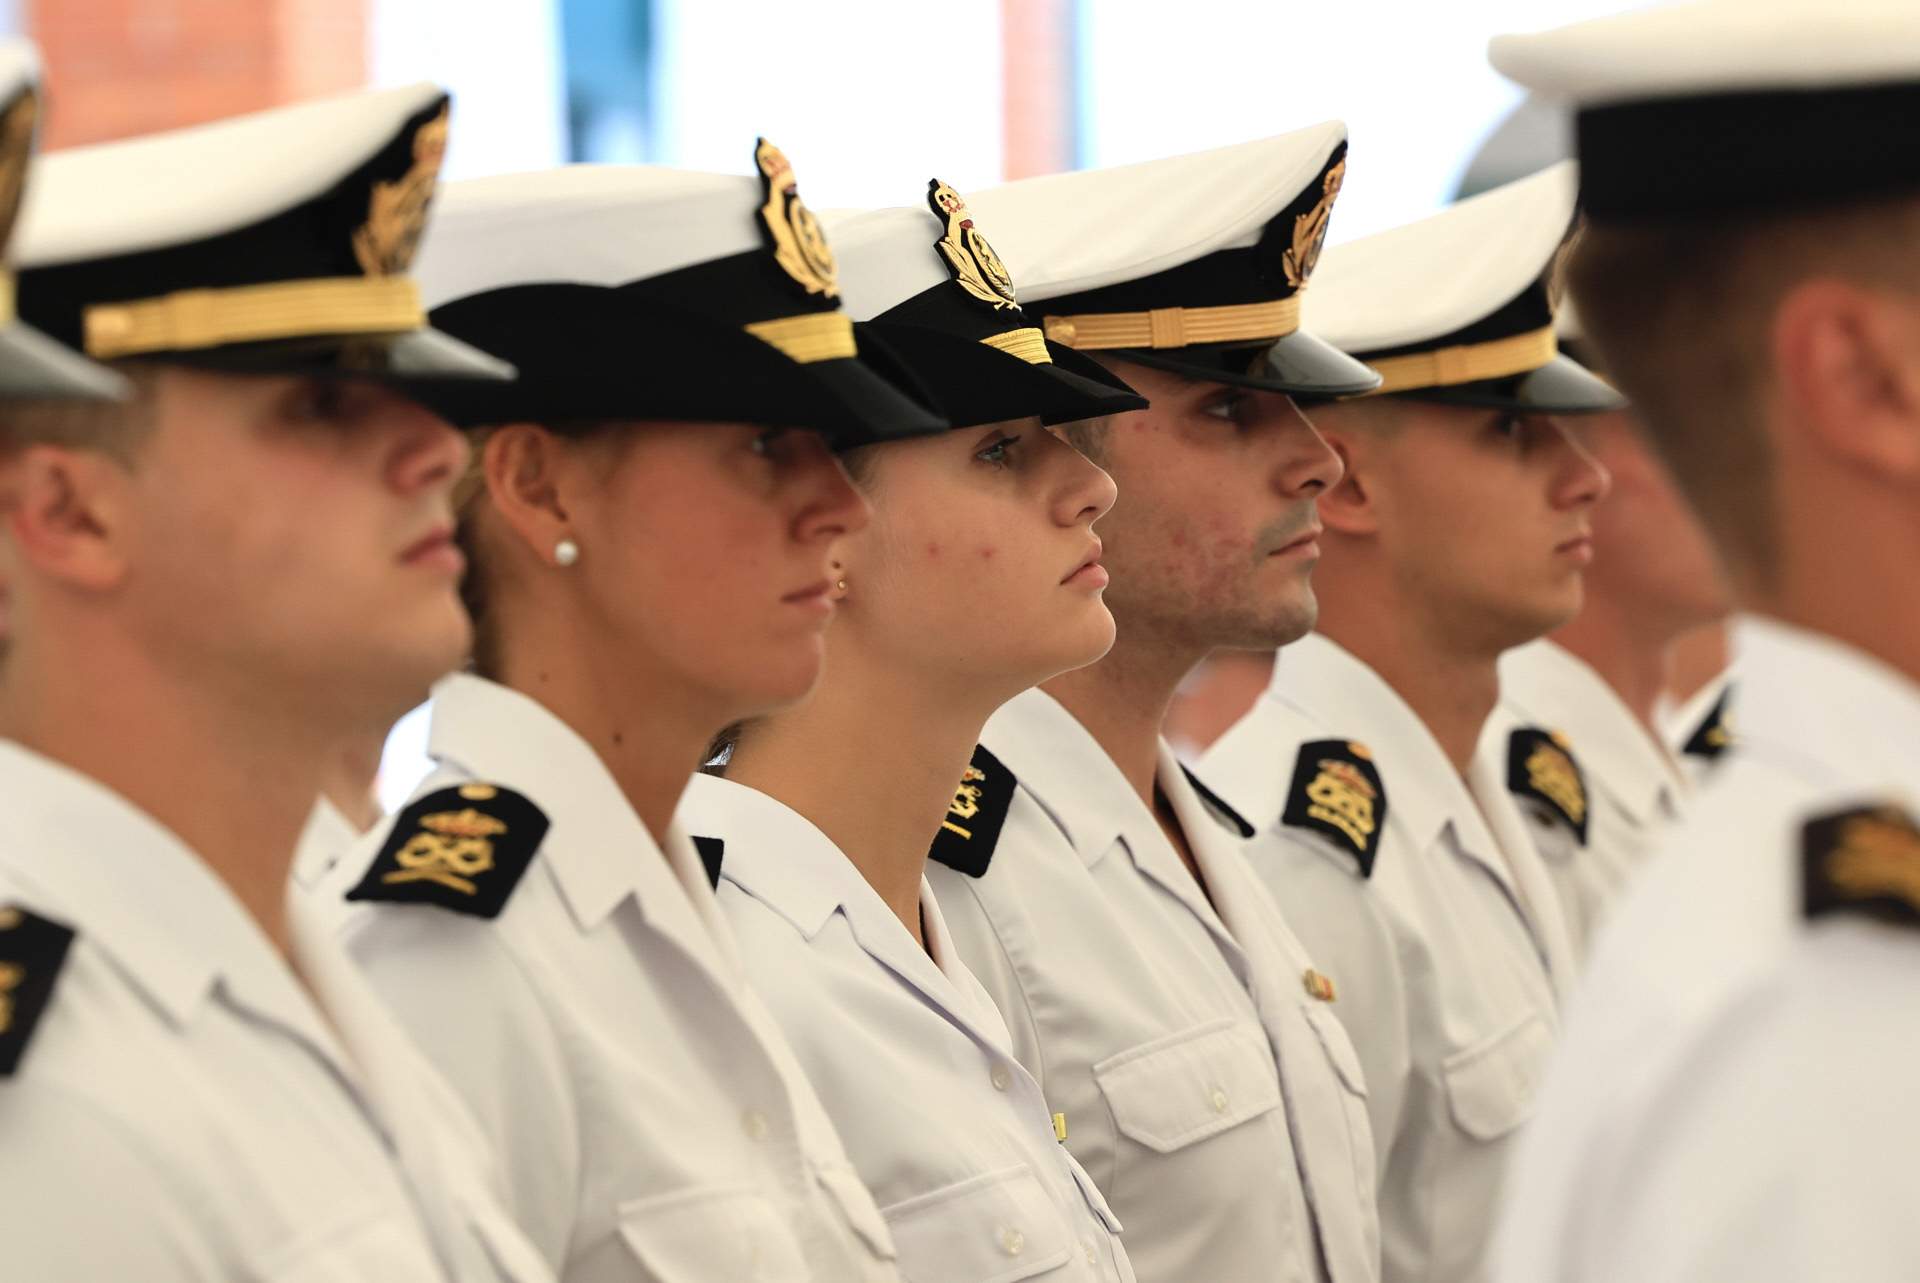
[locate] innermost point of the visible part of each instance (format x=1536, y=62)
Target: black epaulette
x=463, y=848
x=1714, y=735
x=1232, y=818
x=1542, y=769
x=1337, y=792
x=971, y=828
x=32, y=951
x=712, y=851
x=1865, y=861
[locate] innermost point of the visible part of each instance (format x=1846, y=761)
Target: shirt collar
x=774, y=853
x=1549, y=686
x=1827, y=710
x=1320, y=690
x=1066, y=771
x=136, y=892
x=597, y=849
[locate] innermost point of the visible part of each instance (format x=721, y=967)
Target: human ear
x=523, y=464
x=1847, y=361
x=1348, y=505
x=69, y=515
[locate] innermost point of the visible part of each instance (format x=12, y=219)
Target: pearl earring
x=566, y=552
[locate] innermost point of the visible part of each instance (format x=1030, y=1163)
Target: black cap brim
x=970, y=382
x=412, y=361
x=33, y=366
x=1562, y=386
x=870, y=389
x=1300, y=364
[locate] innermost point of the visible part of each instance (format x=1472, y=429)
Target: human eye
x=1229, y=406
x=998, y=452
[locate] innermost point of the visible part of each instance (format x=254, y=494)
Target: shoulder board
x=1234, y=820
x=1541, y=768
x=1865, y=861
x=1336, y=791
x=1714, y=735
x=712, y=851
x=32, y=950
x=462, y=848
x=971, y=828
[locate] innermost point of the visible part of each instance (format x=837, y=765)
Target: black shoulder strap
x=32, y=951
x=1542, y=769
x=1233, y=818
x=971, y=828
x=712, y=852
x=462, y=848
x=1862, y=861
x=1337, y=792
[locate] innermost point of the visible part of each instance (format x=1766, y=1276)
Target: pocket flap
x=851, y=1196
x=698, y=1235
x=1197, y=1083
x=999, y=1227
x=1491, y=1086
x=1339, y=1047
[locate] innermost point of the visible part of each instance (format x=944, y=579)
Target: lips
x=441, y=536
x=1091, y=559
x=811, y=591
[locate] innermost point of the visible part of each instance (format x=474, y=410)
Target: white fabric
x=912, y=1061
x=1215, y=1102
x=1450, y=959
x=1432, y=277
x=583, y=225
x=1680, y=722
x=1066, y=233
x=1716, y=46
x=1635, y=785
x=19, y=66
x=186, y=1110
x=1712, y=923
x=188, y=184
x=649, y=1116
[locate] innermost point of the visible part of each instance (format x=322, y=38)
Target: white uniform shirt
x=650, y=1117
x=909, y=1056
x=185, y=1109
x=1701, y=731
x=1712, y=918
x=1216, y=1102
x=1449, y=958
x=1634, y=784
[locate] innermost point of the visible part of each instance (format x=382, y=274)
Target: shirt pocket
x=998, y=1227
x=849, y=1193
x=1491, y=1086
x=1174, y=1091
x=699, y=1235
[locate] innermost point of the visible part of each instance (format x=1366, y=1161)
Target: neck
x=234, y=775
x=1451, y=689
x=923, y=734
x=1631, y=654
x=650, y=733
x=350, y=781
x=1123, y=700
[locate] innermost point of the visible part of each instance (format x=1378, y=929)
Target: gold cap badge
x=975, y=266
x=799, y=245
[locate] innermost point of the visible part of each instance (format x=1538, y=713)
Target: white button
x=1001, y=1078
x=754, y=1124
x=1093, y=1257
x=1012, y=1242
x=1219, y=1101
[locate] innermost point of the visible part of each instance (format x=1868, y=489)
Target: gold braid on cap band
x=7, y=313
x=193, y=319
x=1468, y=363
x=810, y=336
x=1030, y=345
x=1177, y=326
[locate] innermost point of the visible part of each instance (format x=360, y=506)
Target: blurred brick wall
x=122, y=67
x=1037, y=70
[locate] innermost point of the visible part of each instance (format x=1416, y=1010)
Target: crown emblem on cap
x=1310, y=230
x=975, y=267
x=16, y=146
x=799, y=245
x=397, y=211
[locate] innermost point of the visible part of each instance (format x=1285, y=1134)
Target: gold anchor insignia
x=454, y=848
x=966, y=801
x=397, y=211
x=1341, y=795
x=976, y=268
x=799, y=244
x=1552, y=774
x=16, y=148
x=1310, y=230
x=1878, y=854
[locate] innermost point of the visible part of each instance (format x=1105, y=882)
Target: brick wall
x=121, y=67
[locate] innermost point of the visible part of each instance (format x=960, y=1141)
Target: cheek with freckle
x=987, y=551
x=933, y=551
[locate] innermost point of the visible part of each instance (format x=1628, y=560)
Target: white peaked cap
x=1430, y=278
x=1067, y=233
x=583, y=224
